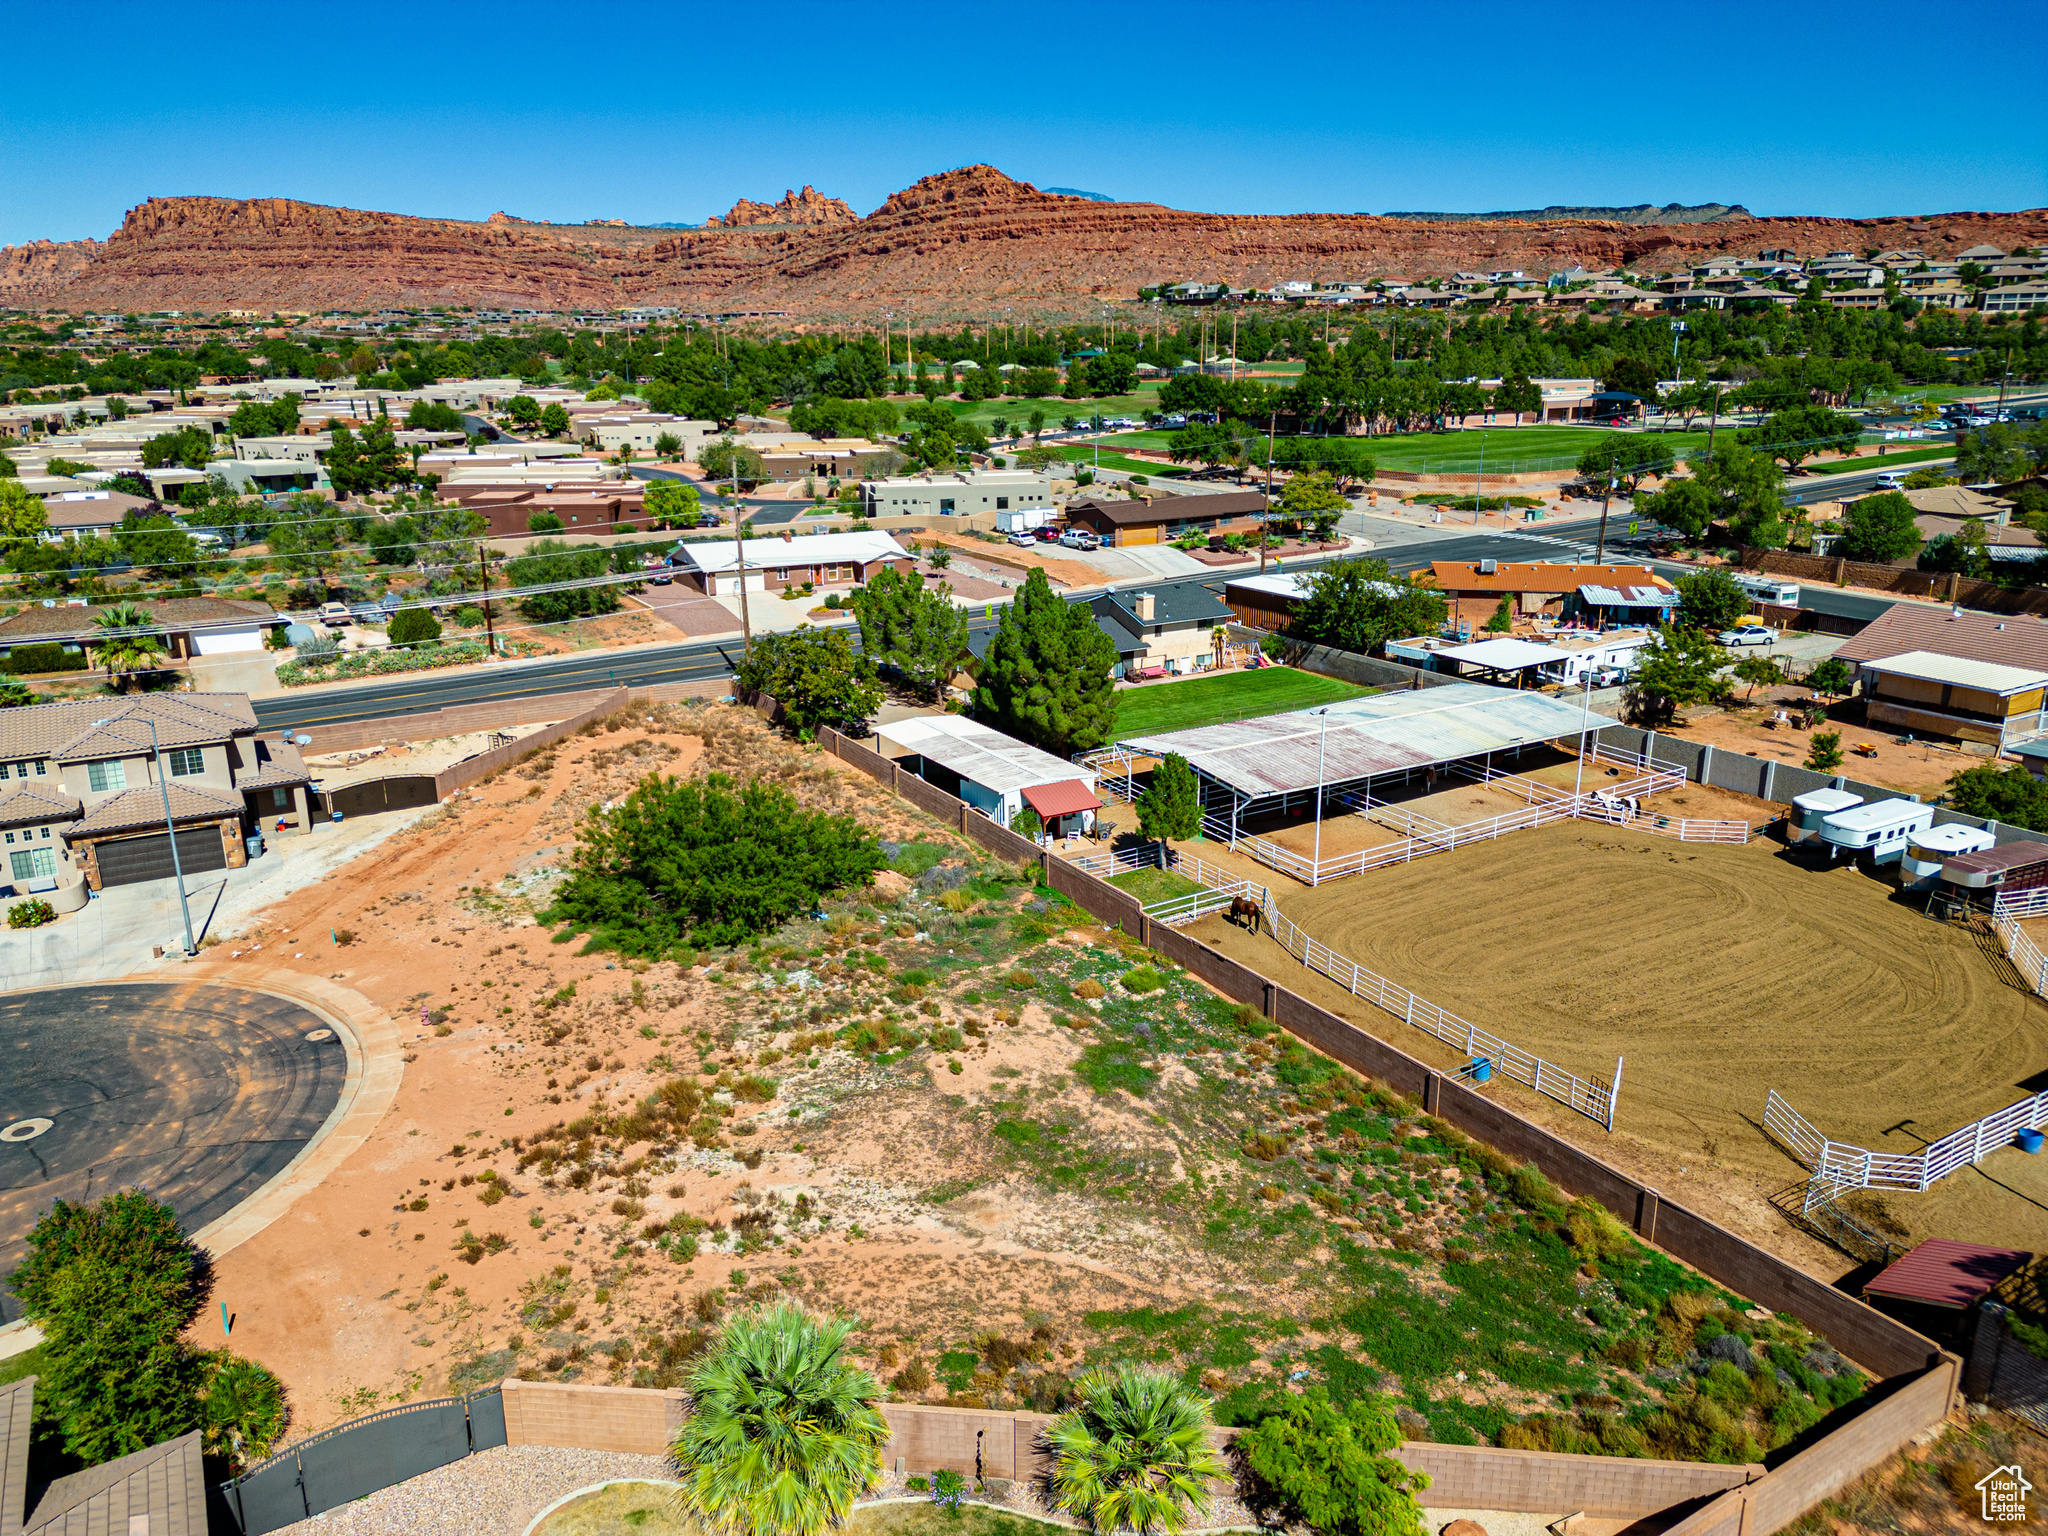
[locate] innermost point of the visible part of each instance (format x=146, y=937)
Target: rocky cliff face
x=968, y=244
x=32, y=275
x=806, y=207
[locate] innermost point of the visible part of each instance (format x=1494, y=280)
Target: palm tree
x=1134, y=1454
x=244, y=1409
x=125, y=654
x=783, y=1433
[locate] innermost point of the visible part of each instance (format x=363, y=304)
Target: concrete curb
x=376, y=1065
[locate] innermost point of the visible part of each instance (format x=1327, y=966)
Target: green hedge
x=49, y=657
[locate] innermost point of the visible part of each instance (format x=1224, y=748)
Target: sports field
x=1226, y=696
x=1720, y=973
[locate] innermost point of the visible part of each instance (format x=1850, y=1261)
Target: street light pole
x=1322, y=744
x=171, y=826
x=1585, y=709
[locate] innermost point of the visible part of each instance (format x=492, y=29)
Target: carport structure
x=1342, y=752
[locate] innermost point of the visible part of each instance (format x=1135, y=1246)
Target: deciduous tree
x=1682, y=669
x=1710, y=600
x=816, y=674
x=1879, y=528
x=1359, y=605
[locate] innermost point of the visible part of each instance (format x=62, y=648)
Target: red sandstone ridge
x=31, y=275
x=806, y=207
x=963, y=245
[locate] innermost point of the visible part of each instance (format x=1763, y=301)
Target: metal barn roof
x=1505, y=654
x=1944, y=1273
x=1363, y=738
x=991, y=759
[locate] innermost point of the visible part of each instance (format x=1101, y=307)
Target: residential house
x=1991, y=707
x=1930, y=693
x=1175, y=628
x=996, y=774
x=1163, y=519
x=191, y=626
x=1473, y=589
x=2015, y=298
x=83, y=784
x=793, y=560
x=836, y=458
x=89, y=514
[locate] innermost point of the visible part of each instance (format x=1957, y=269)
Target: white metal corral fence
x=1589, y=1096
x=2008, y=910
x=1838, y=1166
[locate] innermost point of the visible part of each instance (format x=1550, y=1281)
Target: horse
x=1246, y=913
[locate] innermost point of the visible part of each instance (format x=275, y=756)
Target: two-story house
x=1172, y=629
x=83, y=783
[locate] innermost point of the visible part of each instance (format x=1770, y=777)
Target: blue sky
x=654, y=113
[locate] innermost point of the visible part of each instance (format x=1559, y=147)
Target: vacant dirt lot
x=1719, y=973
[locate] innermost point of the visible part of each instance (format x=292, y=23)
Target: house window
x=186, y=761
x=105, y=776
x=42, y=767
x=1002, y=503
x=32, y=863
x=280, y=799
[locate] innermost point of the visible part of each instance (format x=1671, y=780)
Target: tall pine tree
x=1046, y=679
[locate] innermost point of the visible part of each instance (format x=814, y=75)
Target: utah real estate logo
x=2005, y=1493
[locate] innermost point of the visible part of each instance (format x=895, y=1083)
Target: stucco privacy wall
x=1006, y=1445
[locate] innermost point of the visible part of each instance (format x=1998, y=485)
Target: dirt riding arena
x=1719, y=972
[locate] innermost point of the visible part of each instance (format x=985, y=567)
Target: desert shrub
x=1595, y=1232
x=1143, y=979
x=914, y=1377
x=32, y=913
x=1088, y=987
x=705, y=863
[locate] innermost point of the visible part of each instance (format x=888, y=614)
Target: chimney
x=1142, y=606
x=1955, y=611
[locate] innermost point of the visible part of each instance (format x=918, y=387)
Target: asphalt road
x=1799, y=493
x=197, y=1094
x=695, y=661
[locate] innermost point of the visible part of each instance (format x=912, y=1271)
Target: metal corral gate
x=1837, y=1166
x=362, y=1456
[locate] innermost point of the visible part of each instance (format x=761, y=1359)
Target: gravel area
x=493, y=1493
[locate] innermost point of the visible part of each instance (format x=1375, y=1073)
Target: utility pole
x=1713, y=420
x=739, y=545
x=1272, y=419
x=171, y=826
x=490, y=629
x=1600, y=554
x=1479, y=483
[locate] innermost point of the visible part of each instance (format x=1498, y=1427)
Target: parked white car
x=336, y=615
x=1747, y=634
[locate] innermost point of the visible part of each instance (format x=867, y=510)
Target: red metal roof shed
x=1944, y=1273
x=1062, y=799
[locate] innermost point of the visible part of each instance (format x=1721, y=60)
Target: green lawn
x=1887, y=461
x=1226, y=696
x=1150, y=885
x=30, y=1361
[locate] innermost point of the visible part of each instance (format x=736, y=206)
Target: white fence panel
x=1845, y=1167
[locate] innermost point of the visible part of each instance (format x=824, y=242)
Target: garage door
x=130, y=859
x=228, y=642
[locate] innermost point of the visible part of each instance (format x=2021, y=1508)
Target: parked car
x=1080, y=538
x=334, y=615
x=1747, y=634
x=1022, y=540
x=660, y=572
x=1046, y=535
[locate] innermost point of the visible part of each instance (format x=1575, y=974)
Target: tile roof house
x=192, y=626
x=83, y=784
x=157, y=1492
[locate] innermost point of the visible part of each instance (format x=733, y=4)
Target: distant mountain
x=1093, y=197
x=675, y=225
x=1641, y=213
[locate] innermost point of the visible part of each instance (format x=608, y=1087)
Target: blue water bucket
x=2029, y=1141
x=1481, y=1070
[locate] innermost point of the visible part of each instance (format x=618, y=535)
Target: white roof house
x=716, y=555
x=1958, y=672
